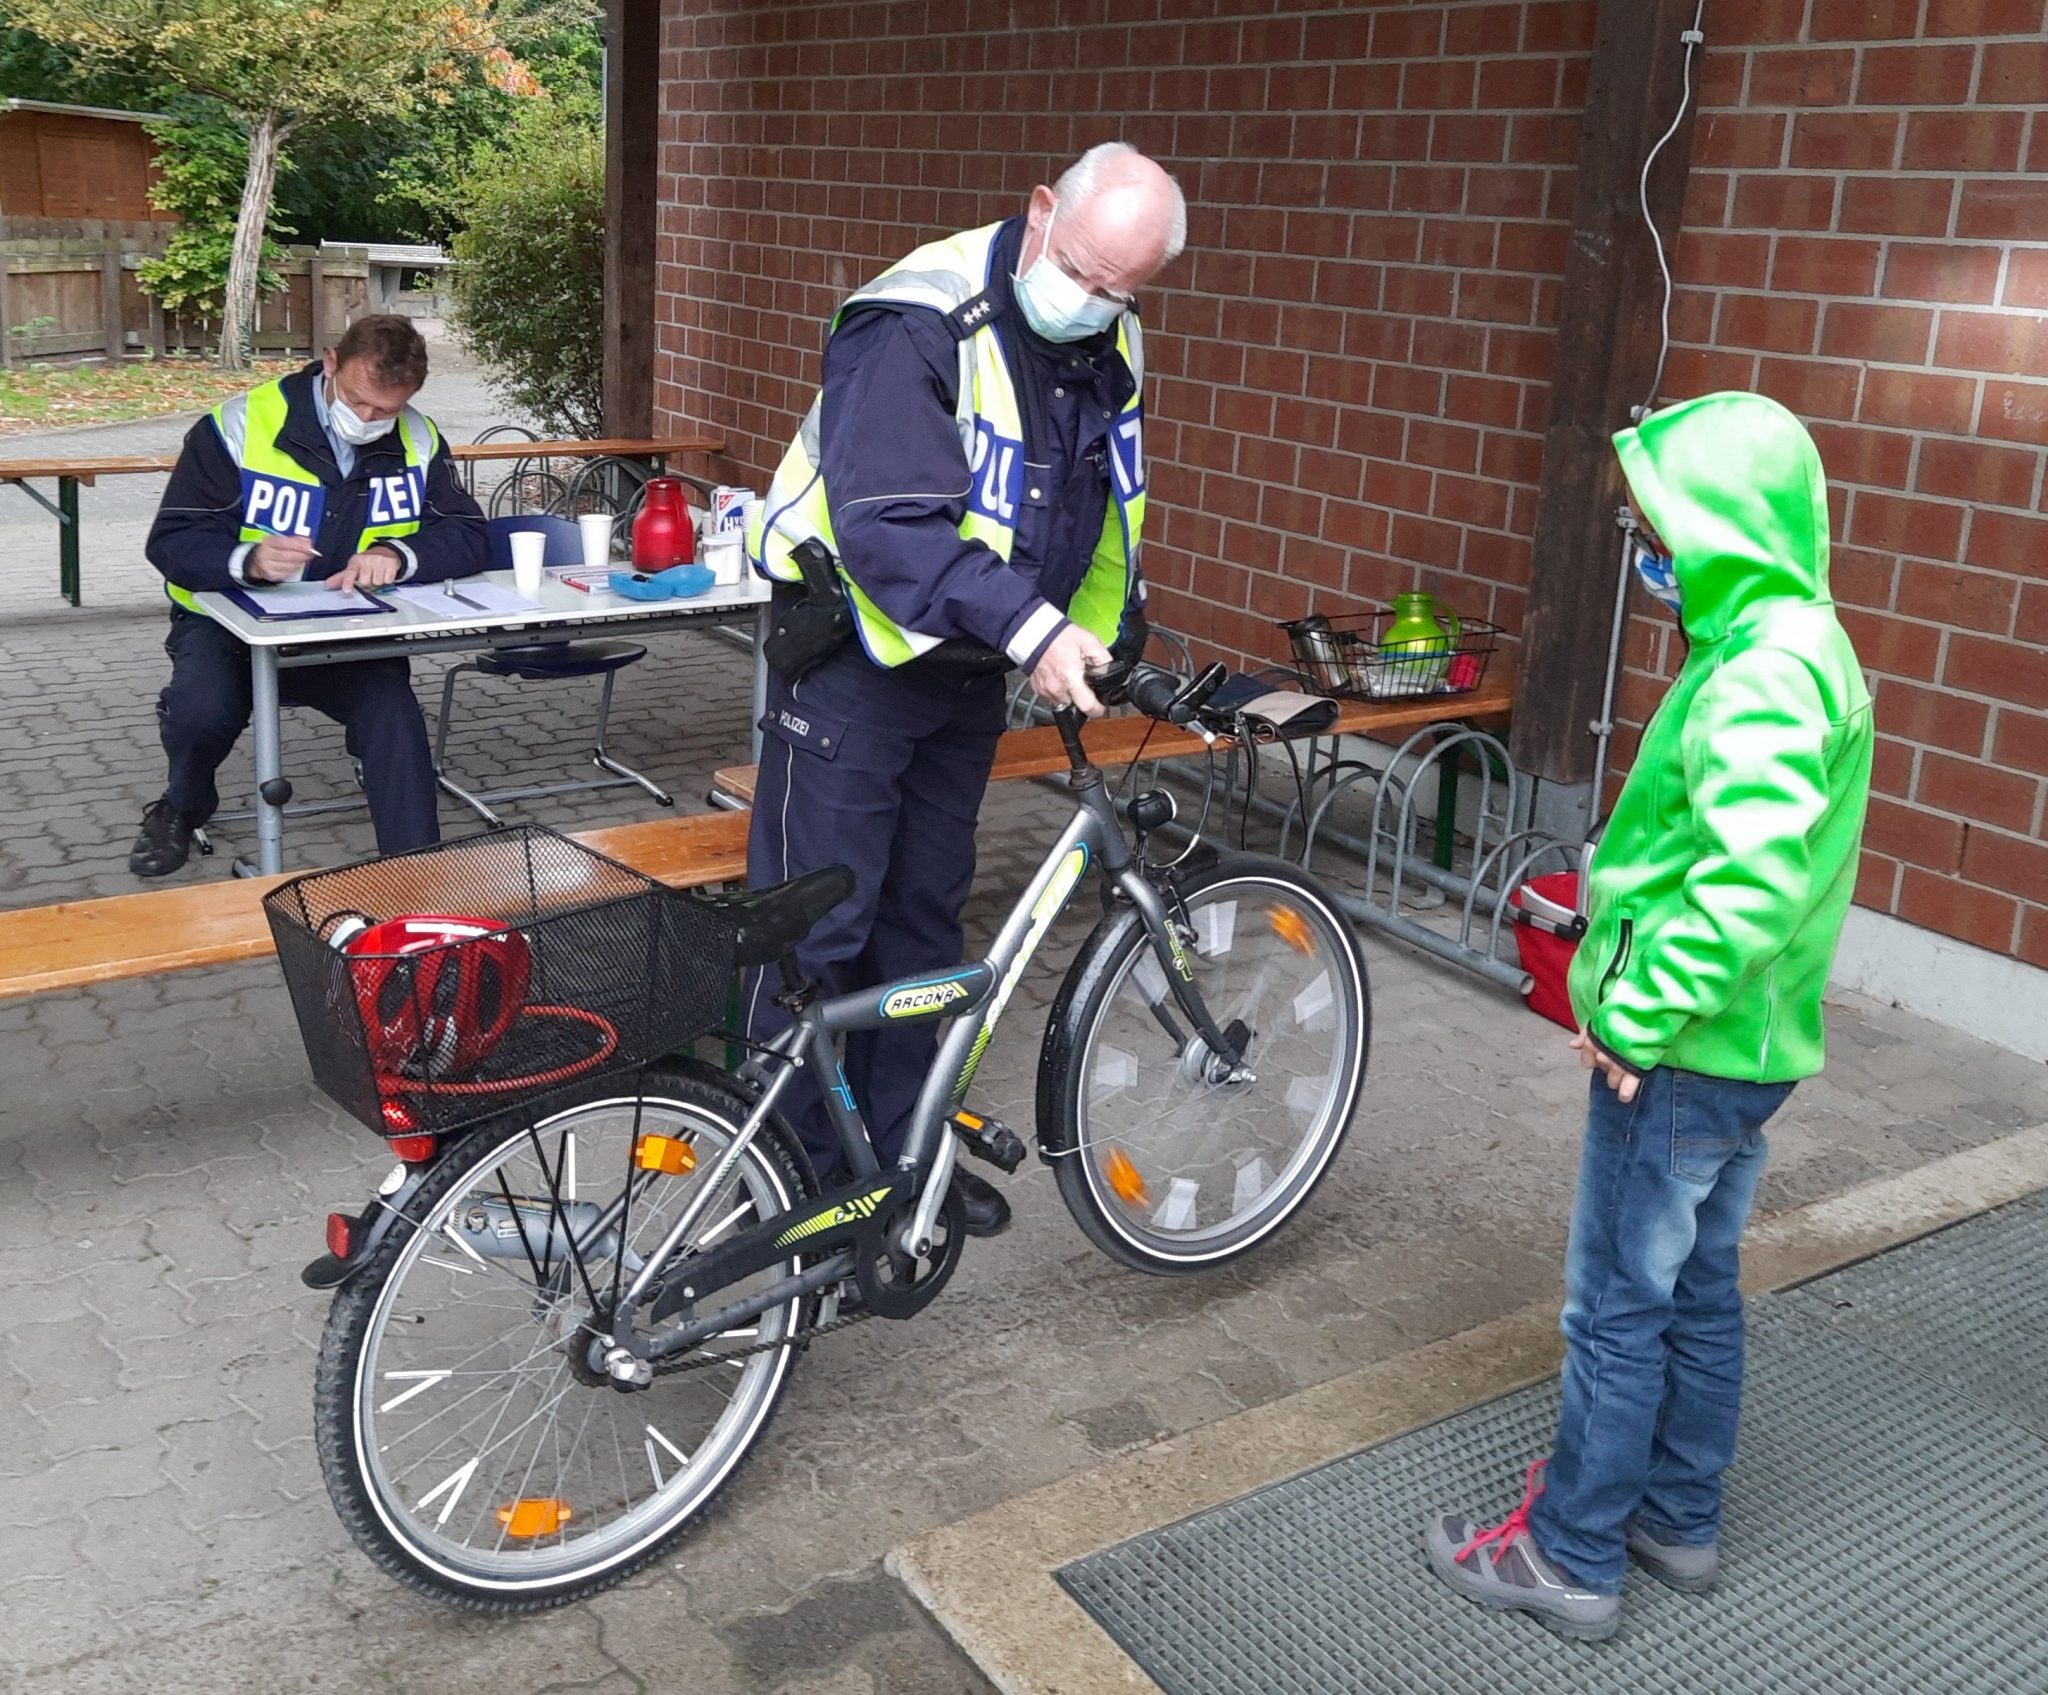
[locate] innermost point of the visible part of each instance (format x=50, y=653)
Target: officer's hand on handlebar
x=1061, y=674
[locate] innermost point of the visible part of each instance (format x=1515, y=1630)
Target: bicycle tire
x=391, y=1531
x=1070, y=1080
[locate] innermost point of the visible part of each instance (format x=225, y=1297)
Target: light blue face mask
x=1658, y=574
x=1055, y=305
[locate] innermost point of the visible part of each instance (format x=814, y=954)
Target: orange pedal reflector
x=1292, y=928
x=670, y=1154
x=541, y=1516
x=1124, y=1179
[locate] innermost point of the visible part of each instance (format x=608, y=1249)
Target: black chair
x=544, y=662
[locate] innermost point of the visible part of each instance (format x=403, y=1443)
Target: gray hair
x=1081, y=181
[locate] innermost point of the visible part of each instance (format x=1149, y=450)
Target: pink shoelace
x=1503, y=1535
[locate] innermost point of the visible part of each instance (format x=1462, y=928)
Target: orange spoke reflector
x=1124, y=1179
x=542, y=1516
x=1292, y=928
x=664, y=1153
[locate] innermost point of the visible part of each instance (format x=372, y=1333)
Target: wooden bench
x=1038, y=752
x=71, y=474
x=102, y=941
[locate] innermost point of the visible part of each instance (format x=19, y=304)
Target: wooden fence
x=60, y=299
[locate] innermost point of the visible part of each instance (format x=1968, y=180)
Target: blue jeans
x=1652, y=1319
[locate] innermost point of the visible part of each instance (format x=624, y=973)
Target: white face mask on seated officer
x=353, y=428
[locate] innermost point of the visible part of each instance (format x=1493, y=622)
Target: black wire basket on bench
x=438, y=988
x=1350, y=656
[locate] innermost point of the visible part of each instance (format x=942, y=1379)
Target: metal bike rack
x=1501, y=855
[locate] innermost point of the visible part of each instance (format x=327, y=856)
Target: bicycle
x=554, y=1342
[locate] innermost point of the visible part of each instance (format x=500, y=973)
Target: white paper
x=481, y=598
x=307, y=597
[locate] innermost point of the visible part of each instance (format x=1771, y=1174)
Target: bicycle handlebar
x=1156, y=691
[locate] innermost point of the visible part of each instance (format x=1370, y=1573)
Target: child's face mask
x=1657, y=574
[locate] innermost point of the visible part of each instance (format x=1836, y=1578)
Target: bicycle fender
x=373, y=1223
x=1056, y=1052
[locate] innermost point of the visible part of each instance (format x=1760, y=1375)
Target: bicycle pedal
x=989, y=1139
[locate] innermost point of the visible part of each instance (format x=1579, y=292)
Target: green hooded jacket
x=1719, y=887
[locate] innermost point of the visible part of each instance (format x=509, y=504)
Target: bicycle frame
x=955, y=996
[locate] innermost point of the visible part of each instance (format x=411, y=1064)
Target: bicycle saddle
x=773, y=920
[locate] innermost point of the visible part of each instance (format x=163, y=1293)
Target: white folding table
x=563, y=614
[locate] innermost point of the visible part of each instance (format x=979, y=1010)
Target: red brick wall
x=1863, y=241
x=1351, y=362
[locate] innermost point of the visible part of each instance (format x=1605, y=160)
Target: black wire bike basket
x=1350, y=656
x=440, y=987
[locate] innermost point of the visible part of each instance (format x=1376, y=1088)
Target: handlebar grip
x=1154, y=691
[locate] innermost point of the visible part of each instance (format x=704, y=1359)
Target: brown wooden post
x=159, y=330
x=6, y=319
x=1607, y=341
x=111, y=321
x=316, y=297
x=632, y=154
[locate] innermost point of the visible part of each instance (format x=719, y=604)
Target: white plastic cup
x=529, y=548
x=725, y=553
x=596, y=528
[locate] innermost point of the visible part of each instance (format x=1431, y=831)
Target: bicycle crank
x=895, y=1283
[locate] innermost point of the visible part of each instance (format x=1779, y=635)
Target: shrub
x=529, y=282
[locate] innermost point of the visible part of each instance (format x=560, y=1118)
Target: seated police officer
x=327, y=475
x=966, y=496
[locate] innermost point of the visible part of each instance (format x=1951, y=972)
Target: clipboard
x=269, y=615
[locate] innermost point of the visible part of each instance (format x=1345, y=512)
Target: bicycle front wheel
x=468, y=1445
x=1171, y=1158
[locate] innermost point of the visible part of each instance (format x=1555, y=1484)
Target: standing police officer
x=970, y=485
x=327, y=475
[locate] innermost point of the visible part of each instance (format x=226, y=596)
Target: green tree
x=202, y=156
x=279, y=66
x=529, y=282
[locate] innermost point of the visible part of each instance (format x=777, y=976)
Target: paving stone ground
x=165, y=1167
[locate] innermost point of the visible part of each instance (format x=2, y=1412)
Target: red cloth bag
x=1547, y=956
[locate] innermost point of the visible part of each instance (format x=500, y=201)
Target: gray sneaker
x=1690, y=1570
x=1502, y=1568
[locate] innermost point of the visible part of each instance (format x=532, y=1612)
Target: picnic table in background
x=610, y=476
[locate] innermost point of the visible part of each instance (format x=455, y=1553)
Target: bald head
x=1115, y=219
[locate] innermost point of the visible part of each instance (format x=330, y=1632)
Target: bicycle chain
x=702, y=1362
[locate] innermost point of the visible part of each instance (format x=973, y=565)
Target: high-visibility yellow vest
x=945, y=276
x=280, y=497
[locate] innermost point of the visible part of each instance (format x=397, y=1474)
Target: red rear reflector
x=396, y=1117
x=412, y=1149
x=338, y=1226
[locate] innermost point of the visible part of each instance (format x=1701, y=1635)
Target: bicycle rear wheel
x=1170, y=1159
x=467, y=1446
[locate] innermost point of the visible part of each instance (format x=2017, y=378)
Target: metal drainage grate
x=1882, y=1534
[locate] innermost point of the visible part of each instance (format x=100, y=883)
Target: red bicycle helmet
x=436, y=992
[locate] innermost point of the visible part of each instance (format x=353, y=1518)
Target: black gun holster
x=808, y=628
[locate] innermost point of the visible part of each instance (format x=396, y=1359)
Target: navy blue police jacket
x=891, y=456
x=199, y=525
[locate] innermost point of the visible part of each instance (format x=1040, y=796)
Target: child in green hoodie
x=1715, y=902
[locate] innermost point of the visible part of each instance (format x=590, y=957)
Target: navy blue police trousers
x=883, y=772
x=204, y=709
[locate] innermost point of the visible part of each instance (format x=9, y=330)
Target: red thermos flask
x=662, y=535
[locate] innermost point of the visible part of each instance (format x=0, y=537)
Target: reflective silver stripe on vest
x=233, y=424
x=944, y=290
